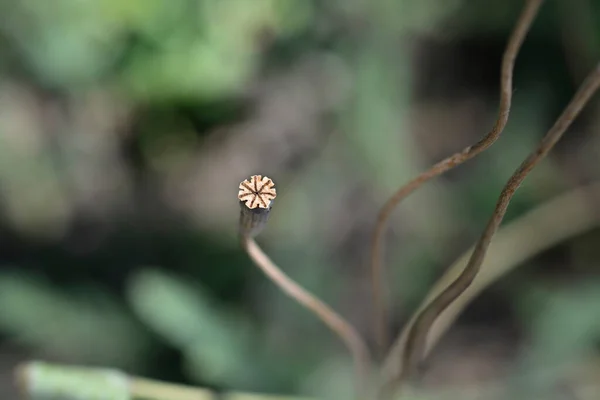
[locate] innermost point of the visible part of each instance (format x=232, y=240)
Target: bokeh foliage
x=126, y=125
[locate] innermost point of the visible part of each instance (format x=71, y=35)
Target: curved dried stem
x=553, y=222
x=416, y=340
x=358, y=349
x=510, y=54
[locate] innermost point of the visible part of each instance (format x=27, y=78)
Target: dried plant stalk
x=510, y=54
x=559, y=219
x=352, y=340
x=257, y=194
x=416, y=340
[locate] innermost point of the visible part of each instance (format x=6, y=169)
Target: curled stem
x=417, y=336
x=358, y=349
x=510, y=54
x=559, y=219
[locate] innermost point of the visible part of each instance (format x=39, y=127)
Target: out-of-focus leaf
x=65, y=42
x=151, y=18
x=197, y=49
x=216, y=55
x=216, y=343
x=88, y=327
x=189, y=70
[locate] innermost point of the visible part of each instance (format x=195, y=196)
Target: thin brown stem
x=416, y=340
x=559, y=219
x=506, y=76
x=350, y=337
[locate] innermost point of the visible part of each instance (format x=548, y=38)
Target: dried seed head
x=256, y=197
x=258, y=191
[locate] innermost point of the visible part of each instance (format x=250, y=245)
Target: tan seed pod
x=256, y=196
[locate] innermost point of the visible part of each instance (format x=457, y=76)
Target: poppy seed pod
x=256, y=196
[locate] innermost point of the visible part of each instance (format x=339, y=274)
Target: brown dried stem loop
x=510, y=54
x=416, y=340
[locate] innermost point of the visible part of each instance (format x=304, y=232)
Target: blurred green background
x=126, y=126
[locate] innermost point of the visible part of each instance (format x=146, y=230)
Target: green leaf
x=89, y=327
x=215, y=342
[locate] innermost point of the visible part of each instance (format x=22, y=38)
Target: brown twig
x=416, y=340
x=256, y=196
x=510, y=54
x=357, y=347
x=558, y=219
